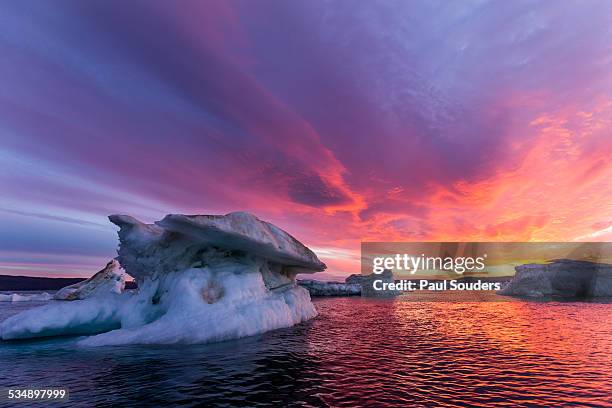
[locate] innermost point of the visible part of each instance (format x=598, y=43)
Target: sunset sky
x=338, y=121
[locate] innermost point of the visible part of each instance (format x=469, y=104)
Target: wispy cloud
x=338, y=122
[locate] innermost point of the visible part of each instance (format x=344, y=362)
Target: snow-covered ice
x=109, y=279
x=200, y=279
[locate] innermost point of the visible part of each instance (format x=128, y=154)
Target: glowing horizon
x=425, y=121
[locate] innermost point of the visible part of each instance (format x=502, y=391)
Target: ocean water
x=358, y=352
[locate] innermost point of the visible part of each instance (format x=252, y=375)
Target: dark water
x=356, y=353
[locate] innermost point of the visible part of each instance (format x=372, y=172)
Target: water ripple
x=358, y=352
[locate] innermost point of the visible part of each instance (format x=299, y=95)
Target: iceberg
x=201, y=279
x=353, y=285
x=367, y=284
x=109, y=279
x=320, y=288
x=16, y=297
x=561, y=278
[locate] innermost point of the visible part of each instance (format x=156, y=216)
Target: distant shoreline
x=14, y=283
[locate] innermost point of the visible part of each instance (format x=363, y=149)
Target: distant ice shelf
x=320, y=288
x=561, y=278
x=17, y=297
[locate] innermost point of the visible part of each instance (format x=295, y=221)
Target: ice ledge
x=178, y=240
x=244, y=231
